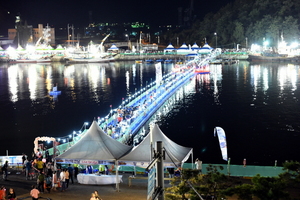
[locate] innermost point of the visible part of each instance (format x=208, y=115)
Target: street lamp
x=216, y=39
x=85, y=124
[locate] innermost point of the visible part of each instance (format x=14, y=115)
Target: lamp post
x=216, y=39
x=85, y=124
x=68, y=27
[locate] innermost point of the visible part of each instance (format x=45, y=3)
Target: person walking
x=34, y=193
x=4, y=170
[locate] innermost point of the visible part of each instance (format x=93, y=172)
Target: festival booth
x=184, y=49
x=206, y=49
x=169, y=48
x=96, y=148
x=141, y=155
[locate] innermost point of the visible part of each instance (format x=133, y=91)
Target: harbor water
x=257, y=104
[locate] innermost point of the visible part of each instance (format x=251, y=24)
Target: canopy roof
x=206, y=47
x=95, y=145
x=195, y=47
x=59, y=47
x=183, y=47
x=170, y=47
x=141, y=154
x=113, y=48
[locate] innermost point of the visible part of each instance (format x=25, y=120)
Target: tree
x=212, y=184
x=269, y=188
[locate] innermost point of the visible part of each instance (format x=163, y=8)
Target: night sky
x=59, y=13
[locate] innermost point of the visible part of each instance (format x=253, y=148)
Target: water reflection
x=260, y=99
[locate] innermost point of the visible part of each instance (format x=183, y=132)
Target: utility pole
x=158, y=161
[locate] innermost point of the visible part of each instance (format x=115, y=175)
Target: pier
x=132, y=116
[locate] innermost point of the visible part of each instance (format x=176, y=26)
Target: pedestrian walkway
x=137, y=191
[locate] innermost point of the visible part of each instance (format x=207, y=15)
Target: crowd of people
x=49, y=177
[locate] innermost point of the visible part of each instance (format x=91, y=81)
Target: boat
x=89, y=60
x=168, y=61
x=202, y=69
x=159, y=60
x=138, y=61
x=216, y=62
x=12, y=61
x=179, y=68
x=54, y=91
x=149, y=61
x=229, y=61
x=273, y=58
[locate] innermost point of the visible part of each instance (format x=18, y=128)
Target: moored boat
x=89, y=60
x=202, y=69
x=273, y=58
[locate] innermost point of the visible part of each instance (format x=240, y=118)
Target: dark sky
x=59, y=13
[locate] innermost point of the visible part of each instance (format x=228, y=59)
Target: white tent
x=113, y=48
x=94, y=147
x=184, y=49
x=141, y=154
x=205, y=49
x=195, y=47
x=169, y=48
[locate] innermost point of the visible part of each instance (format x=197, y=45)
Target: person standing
x=198, y=165
x=28, y=168
x=63, y=180
x=171, y=171
x=67, y=175
x=48, y=183
x=89, y=169
x=70, y=170
x=2, y=193
x=93, y=196
x=54, y=181
x=97, y=196
x=4, y=170
x=41, y=182
x=11, y=195
x=34, y=193
x=76, y=171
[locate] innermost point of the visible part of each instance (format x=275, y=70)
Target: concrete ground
x=137, y=190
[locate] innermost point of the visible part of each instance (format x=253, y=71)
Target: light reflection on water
x=256, y=104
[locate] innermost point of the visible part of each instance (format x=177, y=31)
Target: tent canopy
x=170, y=47
x=113, y=48
x=95, y=146
x=141, y=154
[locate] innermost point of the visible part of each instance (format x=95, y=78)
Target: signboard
x=151, y=182
x=12, y=160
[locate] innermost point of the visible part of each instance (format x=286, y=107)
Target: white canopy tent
x=141, y=154
x=169, y=48
x=113, y=48
x=95, y=147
